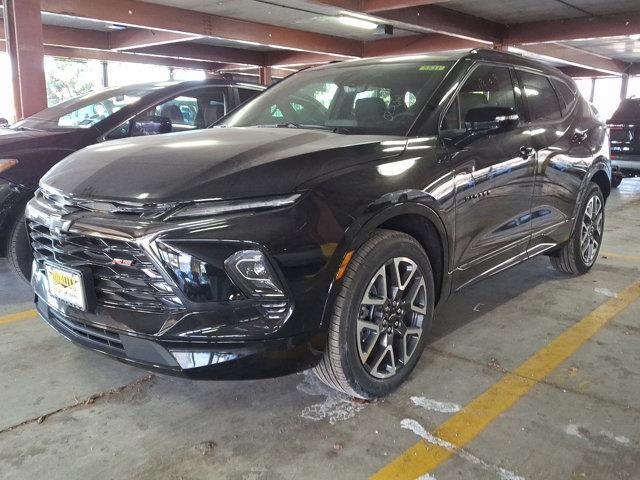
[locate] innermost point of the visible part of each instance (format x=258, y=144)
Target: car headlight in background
x=208, y=209
x=7, y=163
x=254, y=275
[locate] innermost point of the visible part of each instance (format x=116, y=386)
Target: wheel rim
x=591, y=231
x=391, y=317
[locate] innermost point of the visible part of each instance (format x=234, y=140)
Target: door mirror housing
x=150, y=125
x=491, y=118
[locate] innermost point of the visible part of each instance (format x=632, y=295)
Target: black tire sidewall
x=362, y=382
x=19, y=249
x=582, y=267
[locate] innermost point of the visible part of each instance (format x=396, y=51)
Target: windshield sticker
x=432, y=68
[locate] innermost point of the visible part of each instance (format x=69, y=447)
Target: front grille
x=102, y=337
x=133, y=282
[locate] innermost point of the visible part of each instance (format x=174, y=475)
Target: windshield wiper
x=305, y=126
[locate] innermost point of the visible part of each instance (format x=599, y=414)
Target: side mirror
x=150, y=125
x=4, y=122
x=491, y=118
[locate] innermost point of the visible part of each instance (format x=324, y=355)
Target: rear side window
x=488, y=86
x=566, y=95
x=541, y=97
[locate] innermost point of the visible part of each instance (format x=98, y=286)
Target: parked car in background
x=624, y=128
x=31, y=147
x=322, y=230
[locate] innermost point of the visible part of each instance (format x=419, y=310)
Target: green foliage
x=67, y=78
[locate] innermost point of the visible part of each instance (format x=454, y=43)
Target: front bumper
x=140, y=312
x=193, y=359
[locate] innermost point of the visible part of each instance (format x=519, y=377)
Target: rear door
x=493, y=175
x=561, y=140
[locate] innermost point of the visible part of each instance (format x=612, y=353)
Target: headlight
x=253, y=274
x=7, y=163
x=208, y=209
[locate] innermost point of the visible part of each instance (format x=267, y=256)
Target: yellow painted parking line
x=14, y=317
x=467, y=424
x=630, y=258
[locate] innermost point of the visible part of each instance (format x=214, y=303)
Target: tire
x=19, y=252
x=616, y=180
x=572, y=258
x=359, y=333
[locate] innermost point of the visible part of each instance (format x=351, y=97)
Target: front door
x=490, y=151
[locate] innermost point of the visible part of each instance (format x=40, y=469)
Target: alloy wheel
x=591, y=231
x=391, y=317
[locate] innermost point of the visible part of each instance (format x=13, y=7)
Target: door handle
x=527, y=152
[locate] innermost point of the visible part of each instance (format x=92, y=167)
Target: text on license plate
x=66, y=285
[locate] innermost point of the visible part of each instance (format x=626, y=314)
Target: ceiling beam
x=371, y=6
x=208, y=53
x=132, y=38
x=580, y=72
x=289, y=58
x=161, y=17
x=416, y=44
x=89, y=54
x=448, y=22
x=622, y=24
x=576, y=57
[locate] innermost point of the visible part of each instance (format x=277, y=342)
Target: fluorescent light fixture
x=357, y=22
x=115, y=26
x=635, y=36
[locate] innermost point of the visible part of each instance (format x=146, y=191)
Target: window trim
x=575, y=94
x=481, y=63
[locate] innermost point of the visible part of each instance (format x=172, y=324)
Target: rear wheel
x=579, y=254
x=380, y=318
x=616, y=180
x=19, y=250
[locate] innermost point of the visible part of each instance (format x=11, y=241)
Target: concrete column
x=23, y=32
x=593, y=89
x=624, y=87
x=105, y=73
x=265, y=75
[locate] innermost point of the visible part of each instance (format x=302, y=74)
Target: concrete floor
x=68, y=413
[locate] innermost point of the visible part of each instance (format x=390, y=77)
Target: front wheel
x=579, y=254
x=19, y=250
x=380, y=318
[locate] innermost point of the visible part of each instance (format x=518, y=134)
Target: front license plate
x=66, y=285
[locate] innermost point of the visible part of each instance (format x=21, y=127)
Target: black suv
x=31, y=147
x=624, y=127
x=320, y=224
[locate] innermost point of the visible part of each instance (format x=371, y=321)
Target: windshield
x=384, y=98
x=86, y=110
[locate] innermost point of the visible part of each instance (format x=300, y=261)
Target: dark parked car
x=31, y=147
x=624, y=127
x=344, y=205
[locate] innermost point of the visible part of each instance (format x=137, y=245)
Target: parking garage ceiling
x=223, y=35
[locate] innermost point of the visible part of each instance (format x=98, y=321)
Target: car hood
x=217, y=163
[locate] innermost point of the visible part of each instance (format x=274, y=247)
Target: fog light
x=253, y=274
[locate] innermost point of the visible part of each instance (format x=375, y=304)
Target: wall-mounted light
x=357, y=22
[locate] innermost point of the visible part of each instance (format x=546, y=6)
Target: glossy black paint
x=478, y=203
x=38, y=150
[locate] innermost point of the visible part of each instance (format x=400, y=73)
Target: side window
x=246, y=94
x=541, y=97
x=566, y=95
x=182, y=112
x=487, y=88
